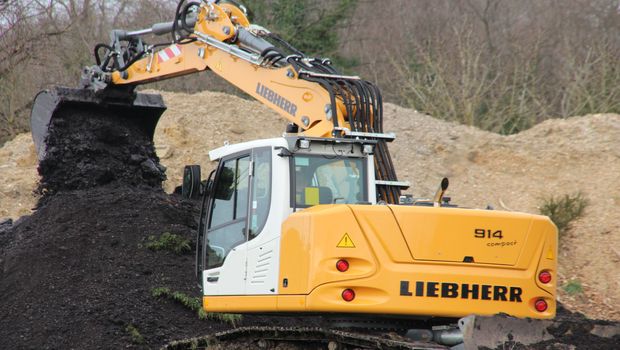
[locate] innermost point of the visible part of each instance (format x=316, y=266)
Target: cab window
x=235, y=188
x=227, y=224
x=261, y=191
x=327, y=180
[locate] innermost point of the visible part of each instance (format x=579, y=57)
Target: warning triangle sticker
x=345, y=242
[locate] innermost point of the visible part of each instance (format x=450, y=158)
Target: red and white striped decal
x=171, y=51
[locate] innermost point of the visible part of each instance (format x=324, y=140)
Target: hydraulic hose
x=189, y=28
x=96, y=52
x=178, y=15
x=133, y=60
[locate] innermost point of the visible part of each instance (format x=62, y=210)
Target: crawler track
x=298, y=338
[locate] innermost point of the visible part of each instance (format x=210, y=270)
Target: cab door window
x=227, y=222
x=261, y=190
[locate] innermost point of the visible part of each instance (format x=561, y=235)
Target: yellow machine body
x=410, y=260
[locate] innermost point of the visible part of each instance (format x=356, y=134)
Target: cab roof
x=288, y=142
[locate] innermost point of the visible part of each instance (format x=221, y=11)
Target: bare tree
x=499, y=64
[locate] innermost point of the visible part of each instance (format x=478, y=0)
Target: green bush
x=195, y=304
x=573, y=287
x=564, y=209
x=310, y=26
x=169, y=241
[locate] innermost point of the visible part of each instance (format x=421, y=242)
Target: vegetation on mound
x=134, y=333
x=195, y=304
x=170, y=242
x=573, y=287
x=564, y=209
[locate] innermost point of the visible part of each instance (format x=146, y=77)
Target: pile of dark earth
x=76, y=274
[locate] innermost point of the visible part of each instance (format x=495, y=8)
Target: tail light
x=544, y=277
x=348, y=294
x=342, y=265
x=540, y=305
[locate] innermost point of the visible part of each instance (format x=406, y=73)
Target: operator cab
x=254, y=188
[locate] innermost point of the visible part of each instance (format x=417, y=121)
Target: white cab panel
x=263, y=261
x=228, y=279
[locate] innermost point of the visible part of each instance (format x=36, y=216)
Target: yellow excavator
x=314, y=222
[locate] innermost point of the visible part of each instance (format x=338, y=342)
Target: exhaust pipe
x=440, y=192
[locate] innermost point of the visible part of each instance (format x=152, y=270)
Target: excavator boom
x=218, y=36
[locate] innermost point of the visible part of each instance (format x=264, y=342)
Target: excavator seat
x=317, y=195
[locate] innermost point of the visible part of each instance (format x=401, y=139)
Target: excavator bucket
x=144, y=109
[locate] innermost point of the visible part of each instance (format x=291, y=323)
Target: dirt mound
x=18, y=163
x=185, y=134
x=573, y=330
x=89, y=148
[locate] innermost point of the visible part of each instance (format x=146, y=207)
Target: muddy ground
x=77, y=274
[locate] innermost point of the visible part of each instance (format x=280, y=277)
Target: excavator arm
x=237, y=58
x=217, y=36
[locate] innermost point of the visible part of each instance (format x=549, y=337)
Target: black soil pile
x=92, y=148
x=77, y=274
